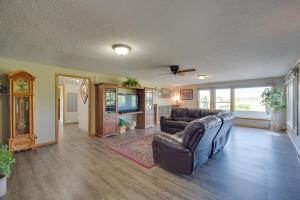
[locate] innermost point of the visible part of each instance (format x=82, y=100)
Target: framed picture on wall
x=84, y=90
x=186, y=94
x=165, y=93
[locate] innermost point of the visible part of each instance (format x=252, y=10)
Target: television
x=128, y=103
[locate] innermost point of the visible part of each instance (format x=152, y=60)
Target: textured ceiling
x=227, y=40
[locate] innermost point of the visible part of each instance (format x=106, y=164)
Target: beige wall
x=44, y=109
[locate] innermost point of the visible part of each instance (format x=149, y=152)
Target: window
x=223, y=99
x=248, y=103
x=290, y=105
x=149, y=100
x=204, y=99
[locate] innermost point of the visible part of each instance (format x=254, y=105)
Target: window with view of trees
x=248, y=102
x=204, y=99
x=223, y=99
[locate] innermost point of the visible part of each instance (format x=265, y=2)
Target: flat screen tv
x=127, y=103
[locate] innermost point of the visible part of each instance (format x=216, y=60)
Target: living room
x=149, y=99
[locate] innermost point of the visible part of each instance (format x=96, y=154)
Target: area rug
x=138, y=150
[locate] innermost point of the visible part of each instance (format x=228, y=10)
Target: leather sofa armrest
x=162, y=122
x=165, y=118
x=170, y=141
x=169, y=153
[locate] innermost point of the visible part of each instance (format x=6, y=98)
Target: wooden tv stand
x=107, y=114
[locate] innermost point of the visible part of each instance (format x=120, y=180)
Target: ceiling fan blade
x=186, y=70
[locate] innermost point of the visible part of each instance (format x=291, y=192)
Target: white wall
x=83, y=111
x=81, y=116
x=71, y=117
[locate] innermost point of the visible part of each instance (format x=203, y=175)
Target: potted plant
x=6, y=159
x=273, y=100
x=122, y=124
x=131, y=82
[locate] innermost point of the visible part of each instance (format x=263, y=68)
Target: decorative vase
x=278, y=121
x=132, y=126
x=3, y=185
x=122, y=129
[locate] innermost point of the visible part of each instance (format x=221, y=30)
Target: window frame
x=245, y=87
x=232, y=97
x=210, y=99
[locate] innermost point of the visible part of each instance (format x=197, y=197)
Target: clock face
x=21, y=86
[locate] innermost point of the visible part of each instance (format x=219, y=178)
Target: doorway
x=73, y=104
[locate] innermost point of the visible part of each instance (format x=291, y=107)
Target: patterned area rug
x=138, y=150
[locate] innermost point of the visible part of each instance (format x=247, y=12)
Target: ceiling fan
x=176, y=71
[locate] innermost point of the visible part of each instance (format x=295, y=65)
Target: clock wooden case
x=21, y=134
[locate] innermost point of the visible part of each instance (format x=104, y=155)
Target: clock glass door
x=22, y=115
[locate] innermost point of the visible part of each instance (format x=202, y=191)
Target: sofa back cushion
x=223, y=134
x=193, y=114
x=226, y=116
x=179, y=114
x=201, y=132
x=207, y=112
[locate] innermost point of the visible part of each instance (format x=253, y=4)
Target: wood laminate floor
x=255, y=164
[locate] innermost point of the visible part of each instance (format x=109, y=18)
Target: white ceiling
x=227, y=40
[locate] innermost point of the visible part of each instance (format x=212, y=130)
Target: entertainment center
x=113, y=101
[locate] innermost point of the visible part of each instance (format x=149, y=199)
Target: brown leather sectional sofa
x=199, y=135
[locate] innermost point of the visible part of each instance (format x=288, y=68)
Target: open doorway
x=73, y=104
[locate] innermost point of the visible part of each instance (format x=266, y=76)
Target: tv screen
x=127, y=103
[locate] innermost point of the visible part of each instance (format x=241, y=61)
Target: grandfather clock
x=21, y=136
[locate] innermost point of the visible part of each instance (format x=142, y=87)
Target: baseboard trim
x=255, y=119
x=252, y=126
x=66, y=123
x=45, y=144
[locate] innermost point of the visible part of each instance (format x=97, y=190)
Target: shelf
x=131, y=113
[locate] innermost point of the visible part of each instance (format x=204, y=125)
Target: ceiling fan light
x=121, y=49
x=201, y=76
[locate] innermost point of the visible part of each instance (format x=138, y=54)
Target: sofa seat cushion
x=176, y=124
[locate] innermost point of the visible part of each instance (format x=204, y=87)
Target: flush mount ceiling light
x=201, y=76
x=121, y=49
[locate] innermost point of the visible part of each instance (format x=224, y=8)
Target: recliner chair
x=222, y=136
x=186, y=150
